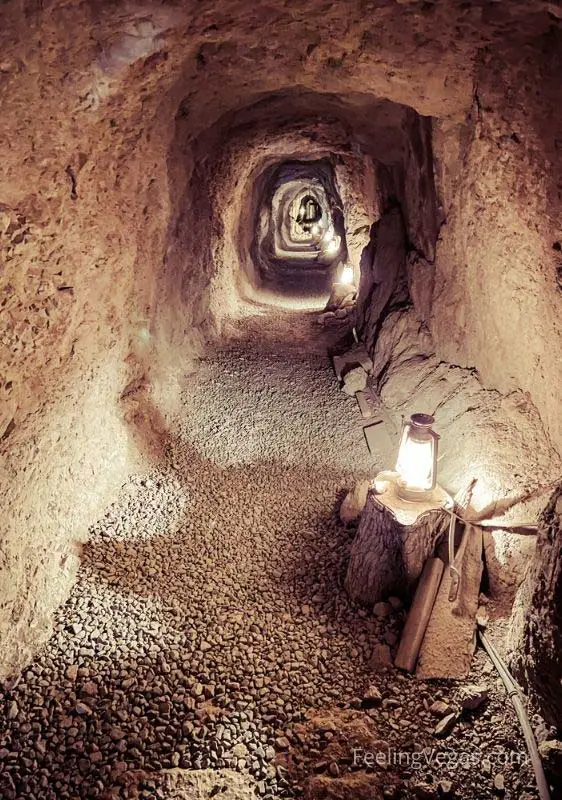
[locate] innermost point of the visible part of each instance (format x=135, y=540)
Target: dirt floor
x=209, y=629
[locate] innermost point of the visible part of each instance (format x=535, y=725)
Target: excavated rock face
x=136, y=143
x=537, y=659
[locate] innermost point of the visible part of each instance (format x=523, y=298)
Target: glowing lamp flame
x=417, y=458
x=347, y=275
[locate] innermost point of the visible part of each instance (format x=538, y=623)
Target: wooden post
x=418, y=617
x=394, y=540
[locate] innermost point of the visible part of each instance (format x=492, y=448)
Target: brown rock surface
x=538, y=637
x=181, y=784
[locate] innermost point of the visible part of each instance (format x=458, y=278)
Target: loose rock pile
x=340, y=306
x=209, y=630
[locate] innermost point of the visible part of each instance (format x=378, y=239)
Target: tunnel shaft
x=154, y=162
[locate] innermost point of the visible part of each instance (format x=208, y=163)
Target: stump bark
x=393, y=542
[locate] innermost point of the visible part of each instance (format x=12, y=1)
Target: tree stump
x=393, y=542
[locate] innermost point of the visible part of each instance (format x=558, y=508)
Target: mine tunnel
x=280, y=400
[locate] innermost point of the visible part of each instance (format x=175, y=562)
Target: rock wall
x=85, y=208
x=538, y=642
x=497, y=297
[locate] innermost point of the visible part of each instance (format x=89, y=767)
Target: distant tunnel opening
x=300, y=230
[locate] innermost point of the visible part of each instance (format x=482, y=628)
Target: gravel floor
x=208, y=619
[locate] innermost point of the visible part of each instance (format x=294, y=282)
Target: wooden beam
x=419, y=614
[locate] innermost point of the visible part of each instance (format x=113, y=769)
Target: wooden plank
x=379, y=441
x=450, y=639
x=365, y=407
x=419, y=614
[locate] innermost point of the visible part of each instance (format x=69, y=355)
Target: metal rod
x=453, y=571
x=516, y=697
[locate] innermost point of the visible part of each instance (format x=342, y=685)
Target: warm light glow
x=417, y=457
x=383, y=480
x=332, y=246
x=347, y=274
x=415, y=464
x=315, y=230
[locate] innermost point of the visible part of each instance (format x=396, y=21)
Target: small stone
x=445, y=788
x=482, y=616
x=327, y=318
x=164, y=707
x=83, y=709
x=354, y=502
x=551, y=752
x=90, y=689
x=333, y=769
x=116, y=733
x=382, y=609
x=348, y=300
x=499, y=783
x=72, y=672
x=486, y=766
x=84, y=765
x=371, y=698
x=240, y=750
x=472, y=696
x=424, y=791
x=396, y=603
x=354, y=381
x=282, y=743
x=439, y=708
x=13, y=711
x=446, y=725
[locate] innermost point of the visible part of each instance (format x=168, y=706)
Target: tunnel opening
x=309, y=213
x=300, y=236
x=187, y=471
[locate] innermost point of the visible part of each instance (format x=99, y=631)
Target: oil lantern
x=417, y=458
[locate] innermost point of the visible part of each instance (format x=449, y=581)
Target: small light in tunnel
x=347, y=274
x=417, y=458
x=315, y=230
